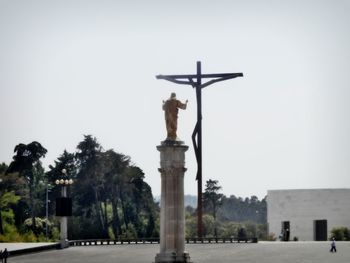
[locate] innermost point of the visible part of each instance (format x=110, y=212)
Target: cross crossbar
x=203, y=76
x=216, y=78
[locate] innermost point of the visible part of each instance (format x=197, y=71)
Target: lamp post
x=64, y=207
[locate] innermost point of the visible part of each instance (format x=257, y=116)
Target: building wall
x=302, y=207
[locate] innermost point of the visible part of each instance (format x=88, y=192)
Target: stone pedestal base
x=172, y=207
x=173, y=258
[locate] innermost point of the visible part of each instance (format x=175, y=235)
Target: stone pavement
x=262, y=252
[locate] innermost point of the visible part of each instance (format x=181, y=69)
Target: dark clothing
x=333, y=248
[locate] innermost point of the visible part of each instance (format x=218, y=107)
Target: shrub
x=55, y=234
x=129, y=233
x=341, y=233
x=231, y=229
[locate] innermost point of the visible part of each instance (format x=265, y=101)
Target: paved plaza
x=262, y=252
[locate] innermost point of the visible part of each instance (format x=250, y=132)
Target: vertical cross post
x=198, y=150
x=197, y=132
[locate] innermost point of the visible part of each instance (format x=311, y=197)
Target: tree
x=212, y=199
x=110, y=194
x=26, y=162
x=9, y=189
x=241, y=210
x=143, y=215
x=114, y=166
x=341, y=233
x=17, y=184
x=6, y=200
x=3, y=168
x=88, y=189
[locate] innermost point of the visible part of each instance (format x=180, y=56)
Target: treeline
x=238, y=209
x=110, y=197
x=228, y=216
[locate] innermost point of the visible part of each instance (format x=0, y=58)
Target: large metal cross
x=196, y=82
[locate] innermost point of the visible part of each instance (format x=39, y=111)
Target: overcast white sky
x=69, y=68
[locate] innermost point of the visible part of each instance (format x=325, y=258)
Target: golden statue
x=171, y=108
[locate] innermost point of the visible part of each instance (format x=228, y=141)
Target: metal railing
x=96, y=242
x=91, y=242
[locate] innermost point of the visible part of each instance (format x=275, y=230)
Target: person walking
x=333, y=247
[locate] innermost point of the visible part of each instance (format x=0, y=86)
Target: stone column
x=172, y=209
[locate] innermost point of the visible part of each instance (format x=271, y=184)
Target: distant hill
x=190, y=200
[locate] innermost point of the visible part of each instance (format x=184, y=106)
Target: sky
x=73, y=68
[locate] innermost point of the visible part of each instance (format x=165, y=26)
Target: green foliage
x=191, y=226
x=55, y=234
x=231, y=229
x=250, y=228
x=9, y=230
x=156, y=226
x=262, y=231
x=40, y=224
x=111, y=233
x=232, y=214
x=3, y=168
x=208, y=226
x=341, y=233
x=7, y=199
x=129, y=232
x=109, y=193
x=226, y=211
x=29, y=237
x=7, y=217
x=26, y=157
x=11, y=235
x=212, y=200
x=110, y=197
x=26, y=162
x=241, y=210
x=13, y=183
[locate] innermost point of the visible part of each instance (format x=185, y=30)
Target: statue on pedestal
x=171, y=108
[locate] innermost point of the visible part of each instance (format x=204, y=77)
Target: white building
x=308, y=214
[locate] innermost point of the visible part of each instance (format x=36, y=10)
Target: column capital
x=174, y=147
x=172, y=170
